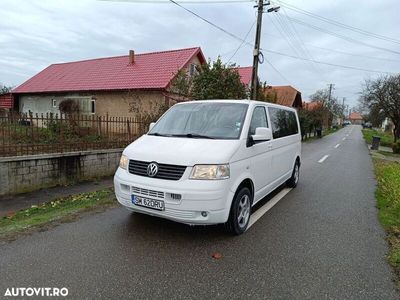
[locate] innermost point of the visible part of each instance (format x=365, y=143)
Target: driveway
x=321, y=241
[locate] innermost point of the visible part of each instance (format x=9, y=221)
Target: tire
x=294, y=180
x=239, y=215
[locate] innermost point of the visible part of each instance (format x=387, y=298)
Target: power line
x=354, y=54
x=242, y=42
x=302, y=44
x=326, y=63
x=341, y=36
x=337, y=23
x=183, y=2
x=340, y=51
x=271, y=51
x=207, y=21
x=302, y=50
x=277, y=71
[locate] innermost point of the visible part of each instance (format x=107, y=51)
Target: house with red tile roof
x=356, y=118
x=116, y=85
x=245, y=75
x=284, y=95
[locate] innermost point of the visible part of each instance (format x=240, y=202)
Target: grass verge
x=57, y=211
x=388, y=203
x=386, y=137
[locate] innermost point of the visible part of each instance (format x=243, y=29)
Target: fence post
x=99, y=125
x=107, y=125
x=62, y=132
x=128, y=127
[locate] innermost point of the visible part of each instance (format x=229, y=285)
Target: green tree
x=383, y=94
x=214, y=80
x=5, y=89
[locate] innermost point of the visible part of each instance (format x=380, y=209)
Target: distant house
x=356, y=118
x=284, y=95
x=114, y=85
x=318, y=106
x=245, y=75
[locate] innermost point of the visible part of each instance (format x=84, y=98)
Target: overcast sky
x=37, y=33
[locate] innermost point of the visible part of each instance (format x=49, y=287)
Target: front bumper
x=211, y=196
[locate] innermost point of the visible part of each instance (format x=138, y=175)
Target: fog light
x=204, y=214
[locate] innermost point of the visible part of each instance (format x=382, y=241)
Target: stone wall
x=32, y=172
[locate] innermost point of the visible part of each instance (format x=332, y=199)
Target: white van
x=209, y=162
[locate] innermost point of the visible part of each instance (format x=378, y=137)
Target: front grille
x=169, y=172
x=146, y=192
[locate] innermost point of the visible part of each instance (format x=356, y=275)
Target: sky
x=37, y=33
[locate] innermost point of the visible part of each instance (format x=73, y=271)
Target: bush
x=69, y=106
x=396, y=147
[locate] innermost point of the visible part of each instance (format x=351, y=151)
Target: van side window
x=283, y=122
x=259, y=119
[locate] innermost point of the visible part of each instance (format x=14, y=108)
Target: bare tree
x=383, y=94
x=330, y=105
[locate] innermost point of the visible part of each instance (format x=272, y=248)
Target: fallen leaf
x=10, y=214
x=217, y=255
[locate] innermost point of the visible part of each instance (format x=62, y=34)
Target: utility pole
x=330, y=92
x=256, y=51
x=343, y=109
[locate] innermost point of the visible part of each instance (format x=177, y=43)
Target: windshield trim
x=246, y=105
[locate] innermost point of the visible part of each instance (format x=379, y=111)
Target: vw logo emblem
x=152, y=169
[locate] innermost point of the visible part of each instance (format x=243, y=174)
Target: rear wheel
x=292, y=182
x=240, y=212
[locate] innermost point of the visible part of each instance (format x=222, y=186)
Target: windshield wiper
x=158, y=134
x=193, y=136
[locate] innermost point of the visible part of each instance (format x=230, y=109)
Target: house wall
x=118, y=104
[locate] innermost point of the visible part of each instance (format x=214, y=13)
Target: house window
x=54, y=103
x=92, y=106
x=192, y=69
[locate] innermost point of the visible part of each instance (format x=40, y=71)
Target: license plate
x=146, y=202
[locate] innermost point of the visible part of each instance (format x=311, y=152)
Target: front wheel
x=239, y=215
x=292, y=182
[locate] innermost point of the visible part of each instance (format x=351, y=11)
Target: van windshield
x=202, y=120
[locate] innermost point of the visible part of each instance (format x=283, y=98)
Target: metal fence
x=23, y=134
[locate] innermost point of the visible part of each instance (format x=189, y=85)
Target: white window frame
x=54, y=103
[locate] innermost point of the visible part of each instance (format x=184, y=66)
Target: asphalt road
x=321, y=241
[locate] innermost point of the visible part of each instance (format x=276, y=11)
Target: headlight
x=210, y=172
x=123, y=162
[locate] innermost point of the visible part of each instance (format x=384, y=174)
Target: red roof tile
x=245, y=74
x=149, y=71
x=285, y=95
x=310, y=106
x=355, y=116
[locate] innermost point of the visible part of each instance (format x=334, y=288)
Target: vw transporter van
x=210, y=162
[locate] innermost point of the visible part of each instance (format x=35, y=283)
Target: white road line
x=344, y=139
x=337, y=145
x=323, y=159
x=267, y=206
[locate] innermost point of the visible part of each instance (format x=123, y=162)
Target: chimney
x=131, y=57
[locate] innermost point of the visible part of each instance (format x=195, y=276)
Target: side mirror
x=262, y=134
x=151, y=125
